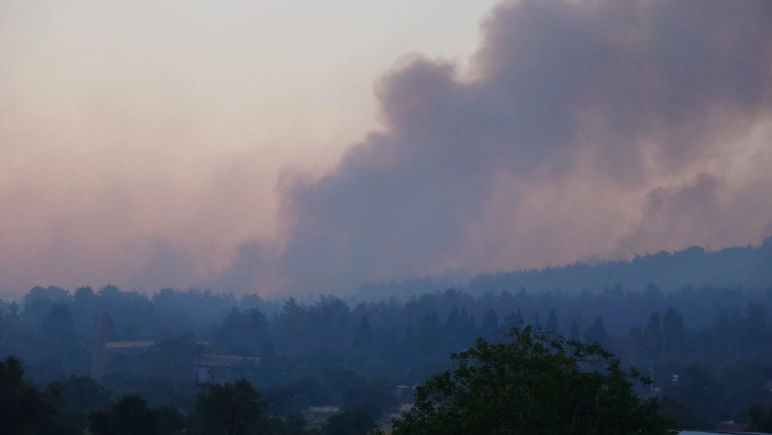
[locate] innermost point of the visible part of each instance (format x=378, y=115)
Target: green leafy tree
x=653, y=335
x=375, y=398
x=685, y=417
x=597, y=334
x=363, y=334
x=513, y=320
x=243, y=331
x=355, y=421
x=429, y=334
x=23, y=408
x=761, y=418
x=552, y=323
x=672, y=332
x=129, y=416
x=230, y=408
x=489, y=325
x=170, y=421
x=291, y=425
x=308, y=387
x=636, y=346
x=83, y=394
x=575, y=334
x=58, y=322
x=529, y=384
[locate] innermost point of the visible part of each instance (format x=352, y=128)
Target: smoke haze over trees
x=706, y=344
x=579, y=130
x=747, y=267
x=582, y=128
x=327, y=362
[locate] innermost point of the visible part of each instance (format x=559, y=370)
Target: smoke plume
x=581, y=128
x=578, y=129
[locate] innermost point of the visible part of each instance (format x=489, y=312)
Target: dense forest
x=747, y=267
x=333, y=360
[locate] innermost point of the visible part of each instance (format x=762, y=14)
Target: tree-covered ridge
x=747, y=267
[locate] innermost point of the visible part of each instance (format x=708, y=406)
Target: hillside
x=748, y=267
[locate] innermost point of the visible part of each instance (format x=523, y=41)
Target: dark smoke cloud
x=571, y=112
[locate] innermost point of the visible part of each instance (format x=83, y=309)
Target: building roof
x=140, y=344
x=227, y=361
x=128, y=344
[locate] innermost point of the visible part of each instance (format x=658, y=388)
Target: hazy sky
x=309, y=146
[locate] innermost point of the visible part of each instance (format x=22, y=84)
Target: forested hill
x=748, y=267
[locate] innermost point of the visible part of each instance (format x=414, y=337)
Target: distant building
x=129, y=344
x=208, y=367
x=101, y=349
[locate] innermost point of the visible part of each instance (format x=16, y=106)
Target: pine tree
x=575, y=333
x=490, y=325
x=513, y=320
x=653, y=336
x=597, y=334
x=363, y=334
x=672, y=332
x=552, y=323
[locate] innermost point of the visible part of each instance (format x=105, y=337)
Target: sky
x=284, y=147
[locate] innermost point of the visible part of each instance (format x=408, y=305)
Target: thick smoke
x=581, y=128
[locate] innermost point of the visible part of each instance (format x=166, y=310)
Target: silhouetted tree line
x=695, y=266
x=77, y=404
x=706, y=348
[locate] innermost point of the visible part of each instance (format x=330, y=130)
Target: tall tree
x=672, y=332
x=653, y=335
x=409, y=330
x=761, y=418
x=754, y=327
x=23, y=409
x=513, y=320
x=58, y=322
x=129, y=416
x=232, y=408
x=453, y=323
x=363, y=334
x=355, y=421
x=636, y=346
x=490, y=325
x=552, y=323
x=575, y=333
x=430, y=333
x=597, y=334
x=83, y=394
